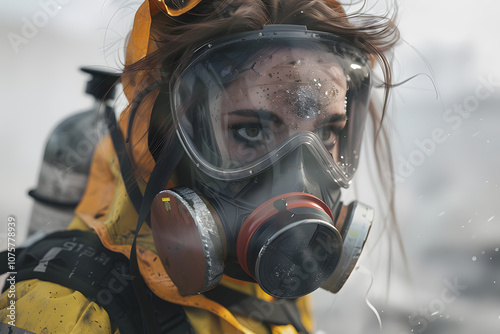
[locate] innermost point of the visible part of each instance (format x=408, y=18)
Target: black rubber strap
x=126, y=169
x=157, y=181
x=163, y=170
x=51, y=202
x=172, y=318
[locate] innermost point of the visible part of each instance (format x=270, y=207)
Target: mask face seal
x=271, y=122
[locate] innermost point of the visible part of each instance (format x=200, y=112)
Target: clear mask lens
x=247, y=101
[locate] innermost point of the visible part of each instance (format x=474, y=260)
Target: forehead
x=292, y=65
x=302, y=80
x=295, y=58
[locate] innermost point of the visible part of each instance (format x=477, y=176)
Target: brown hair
x=176, y=38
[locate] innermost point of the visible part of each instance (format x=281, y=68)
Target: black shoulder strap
x=174, y=321
x=78, y=260
x=125, y=164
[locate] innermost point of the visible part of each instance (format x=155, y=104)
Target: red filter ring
x=266, y=211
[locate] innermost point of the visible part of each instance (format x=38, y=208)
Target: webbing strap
x=79, y=261
x=172, y=319
x=126, y=169
x=163, y=170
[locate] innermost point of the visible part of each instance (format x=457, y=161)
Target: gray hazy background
x=446, y=160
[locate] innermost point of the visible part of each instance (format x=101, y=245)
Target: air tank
x=68, y=155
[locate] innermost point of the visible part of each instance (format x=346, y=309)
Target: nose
x=298, y=171
x=294, y=172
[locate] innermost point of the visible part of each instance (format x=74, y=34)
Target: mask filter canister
x=189, y=239
x=289, y=244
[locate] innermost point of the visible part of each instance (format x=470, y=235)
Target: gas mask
x=271, y=125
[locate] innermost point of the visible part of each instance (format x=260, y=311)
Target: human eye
x=250, y=133
x=329, y=130
x=328, y=135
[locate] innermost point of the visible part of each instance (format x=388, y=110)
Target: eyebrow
x=270, y=116
x=258, y=113
x=336, y=118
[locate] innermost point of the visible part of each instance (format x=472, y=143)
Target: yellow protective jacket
x=44, y=307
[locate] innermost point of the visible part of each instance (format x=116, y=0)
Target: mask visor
x=244, y=99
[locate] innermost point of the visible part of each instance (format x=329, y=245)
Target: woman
x=245, y=122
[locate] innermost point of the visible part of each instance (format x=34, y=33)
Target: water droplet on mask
x=496, y=249
x=209, y=45
x=474, y=258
